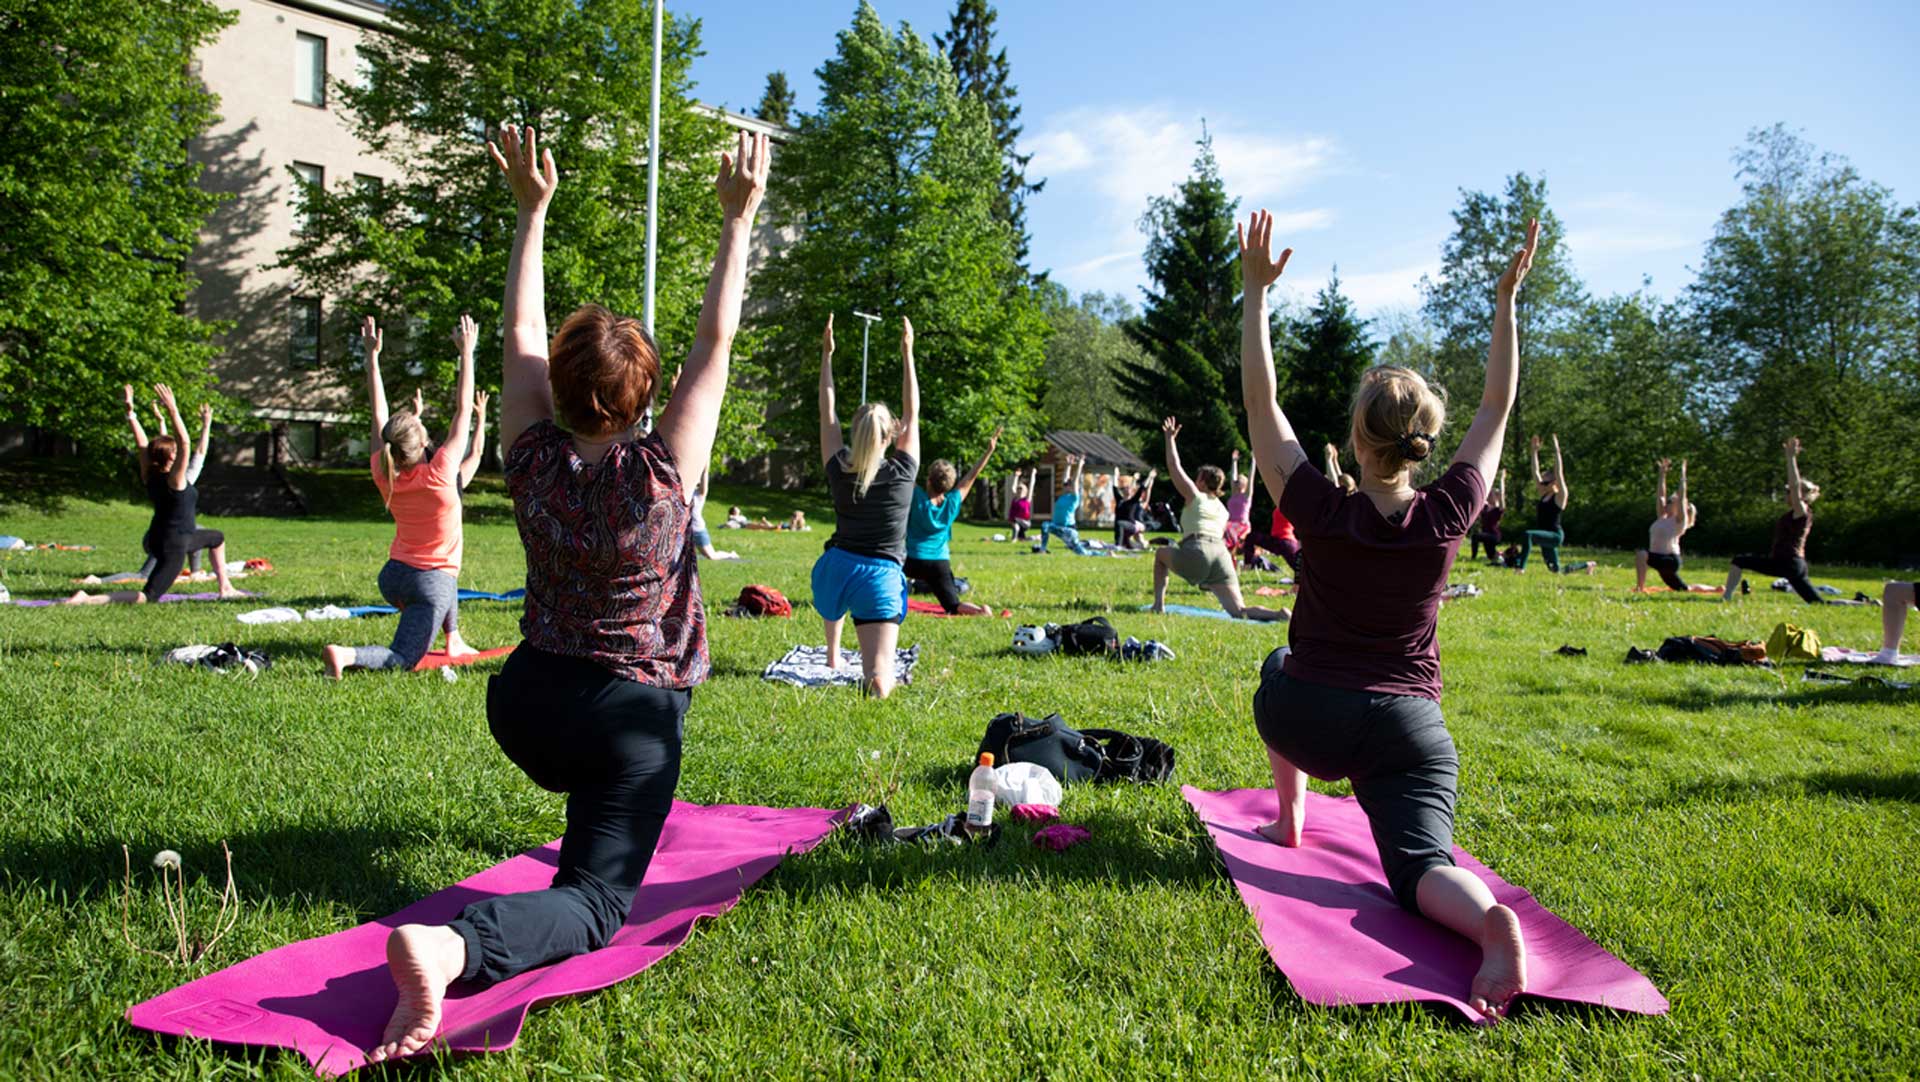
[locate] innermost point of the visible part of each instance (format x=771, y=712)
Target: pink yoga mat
x=932, y=608
x=438, y=659
x=329, y=998
x=1334, y=929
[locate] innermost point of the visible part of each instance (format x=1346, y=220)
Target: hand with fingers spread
x=743, y=176
x=165, y=394
x=529, y=169
x=466, y=336
x=480, y=400
x=1171, y=427
x=1522, y=262
x=371, y=338
x=1258, y=267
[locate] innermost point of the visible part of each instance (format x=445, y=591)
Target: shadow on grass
x=1705, y=699
x=1857, y=784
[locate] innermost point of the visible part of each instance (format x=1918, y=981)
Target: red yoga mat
x=1331, y=924
x=438, y=659
x=329, y=998
x=932, y=608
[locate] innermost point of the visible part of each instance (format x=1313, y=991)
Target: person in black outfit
x=1546, y=530
x=1488, y=531
x=173, y=532
x=1130, y=512
x=1788, y=558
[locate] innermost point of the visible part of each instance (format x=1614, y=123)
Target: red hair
x=603, y=368
x=161, y=451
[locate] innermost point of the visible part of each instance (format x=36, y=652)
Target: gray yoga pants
x=424, y=598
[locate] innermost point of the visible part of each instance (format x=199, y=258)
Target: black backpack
x=1071, y=755
x=1095, y=636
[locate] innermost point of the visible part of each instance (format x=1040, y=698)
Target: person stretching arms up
x=1347, y=482
x=1240, y=503
x=1201, y=556
x=1364, y=656
x=1020, y=510
x=1788, y=559
x=860, y=572
x=592, y=703
x=1489, y=532
x=1676, y=517
x=1065, y=506
x=194, y=467
x=1546, y=532
x=930, y=530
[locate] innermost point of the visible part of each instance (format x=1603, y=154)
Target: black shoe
x=1746, y=587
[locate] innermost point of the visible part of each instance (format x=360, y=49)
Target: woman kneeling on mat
x=1662, y=553
x=930, y=530
x=591, y=703
x=421, y=485
x=1488, y=533
x=1788, y=558
x=860, y=572
x=174, y=532
x=1202, y=556
x=1358, y=696
x=1130, y=511
x=1551, y=488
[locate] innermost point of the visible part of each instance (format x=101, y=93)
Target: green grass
x=1747, y=840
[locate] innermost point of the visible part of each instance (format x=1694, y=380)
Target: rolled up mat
x=329, y=998
x=438, y=659
x=1331, y=924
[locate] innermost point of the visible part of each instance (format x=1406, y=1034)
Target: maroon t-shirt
x=1790, y=535
x=610, y=560
x=1370, y=588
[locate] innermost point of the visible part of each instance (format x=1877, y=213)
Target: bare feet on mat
x=1279, y=833
x=337, y=658
x=423, y=961
x=232, y=592
x=1503, y=964
x=969, y=608
x=457, y=646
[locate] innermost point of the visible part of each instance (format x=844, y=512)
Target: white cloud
x=1396, y=288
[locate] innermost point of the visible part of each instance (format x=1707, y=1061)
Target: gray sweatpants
x=424, y=599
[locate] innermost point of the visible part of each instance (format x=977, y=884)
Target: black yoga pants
x=1668, y=565
x=169, y=554
x=1793, y=570
x=611, y=745
x=1396, y=751
x=938, y=577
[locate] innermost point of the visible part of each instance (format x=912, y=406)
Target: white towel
x=275, y=615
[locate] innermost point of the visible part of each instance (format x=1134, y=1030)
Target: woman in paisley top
x=591, y=703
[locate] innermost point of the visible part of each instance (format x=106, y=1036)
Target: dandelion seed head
x=166, y=858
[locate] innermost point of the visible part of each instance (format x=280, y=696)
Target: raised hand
x=743, y=176
x=993, y=441
x=206, y=414
x=1792, y=446
x=826, y=338
x=371, y=338
x=165, y=394
x=480, y=404
x=1522, y=263
x=1236, y=454
x=1664, y=463
x=906, y=335
x=1535, y=443
x=1258, y=267
x=530, y=172
x=419, y=410
x=1171, y=427
x=128, y=388
x=466, y=336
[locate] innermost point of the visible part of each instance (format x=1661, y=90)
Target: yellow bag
x=1790, y=643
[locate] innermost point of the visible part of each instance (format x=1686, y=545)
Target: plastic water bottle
x=980, y=795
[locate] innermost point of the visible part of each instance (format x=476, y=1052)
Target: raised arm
x=371, y=339
x=1275, y=446
x=1234, y=468
x=1181, y=482
x=909, y=394
x=471, y=464
x=1502, y=491
x=177, y=476
x=526, y=397
x=160, y=418
x=1533, y=447
x=139, y=434
x=1686, y=506
x=1660, y=491
x=973, y=474
x=1559, y=476
x=1146, y=487
x=831, y=439
x=1796, y=501
x=1488, y=432
x=199, y=460
x=1332, y=459
x=466, y=337
x=688, y=424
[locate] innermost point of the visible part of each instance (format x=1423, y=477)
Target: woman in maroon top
x=591, y=703
x=1358, y=694
x=1788, y=558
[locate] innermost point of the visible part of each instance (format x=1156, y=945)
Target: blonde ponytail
x=403, y=436
x=872, y=431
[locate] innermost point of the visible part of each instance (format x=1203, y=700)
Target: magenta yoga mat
x=329, y=998
x=1331, y=924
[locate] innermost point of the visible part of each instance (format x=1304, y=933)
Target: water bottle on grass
x=980, y=795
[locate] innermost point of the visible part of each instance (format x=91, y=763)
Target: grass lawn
x=1747, y=840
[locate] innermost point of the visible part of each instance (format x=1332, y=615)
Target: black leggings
x=611, y=745
x=1394, y=748
x=170, y=552
x=1794, y=570
x=1668, y=565
x=1287, y=547
x=938, y=577
x=1126, y=532
x=1489, y=538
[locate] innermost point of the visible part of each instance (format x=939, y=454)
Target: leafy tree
x=776, y=103
x=99, y=208
x=983, y=74
x=1333, y=349
x=887, y=190
x=1190, y=328
x=433, y=242
x=1086, y=347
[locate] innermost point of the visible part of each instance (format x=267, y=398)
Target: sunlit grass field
x=1747, y=839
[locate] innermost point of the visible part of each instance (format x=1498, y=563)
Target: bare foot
x=1287, y=834
x=338, y=658
x=78, y=597
x=835, y=661
x=423, y=961
x=231, y=593
x=969, y=608
x=457, y=646
x=1503, y=964
x=879, y=687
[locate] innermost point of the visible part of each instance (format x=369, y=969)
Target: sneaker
x=1156, y=650
x=1746, y=587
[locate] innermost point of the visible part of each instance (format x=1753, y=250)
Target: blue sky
x=1358, y=124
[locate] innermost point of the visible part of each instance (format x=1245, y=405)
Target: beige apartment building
x=272, y=69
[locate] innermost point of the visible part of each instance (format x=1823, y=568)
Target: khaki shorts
x=1202, y=561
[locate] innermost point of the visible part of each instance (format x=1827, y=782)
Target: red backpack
x=761, y=601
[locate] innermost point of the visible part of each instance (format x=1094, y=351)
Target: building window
x=369, y=186
x=303, y=341
x=313, y=178
x=310, y=69
x=303, y=439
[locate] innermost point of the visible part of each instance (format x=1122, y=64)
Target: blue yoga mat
x=465, y=595
x=1211, y=614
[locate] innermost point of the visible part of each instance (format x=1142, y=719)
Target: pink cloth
x=439, y=659
x=329, y=998
x=1036, y=813
x=1061, y=836
x=1331, y=924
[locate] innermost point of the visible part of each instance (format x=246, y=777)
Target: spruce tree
x=776, y=103
x=983, y=74
x=1333, y=349
x=1190, y=325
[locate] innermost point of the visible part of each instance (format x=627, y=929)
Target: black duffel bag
x=1071, y=755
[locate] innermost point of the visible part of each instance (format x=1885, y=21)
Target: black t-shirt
x=1547, y=515
x=1130, y=508
x=173, y=511
x=874, y=524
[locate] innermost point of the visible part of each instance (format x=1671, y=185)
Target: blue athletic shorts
x=871, y=589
